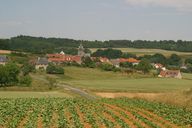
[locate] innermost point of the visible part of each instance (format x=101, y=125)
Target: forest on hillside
x=49, y=45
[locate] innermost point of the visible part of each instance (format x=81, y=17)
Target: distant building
x=158, y=66
x=81, y=51
x=170, y=74
x=3, y=59
x=116, y=62
x=41, y=63
x=5, y=52
x=104, y=59
x=61, y=58
x=62, y=53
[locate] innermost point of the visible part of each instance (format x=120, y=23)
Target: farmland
x=82, y=113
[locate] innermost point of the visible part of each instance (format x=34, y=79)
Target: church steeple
x=81, y=50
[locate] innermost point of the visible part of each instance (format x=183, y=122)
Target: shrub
x=25, y=81
x=54, y=69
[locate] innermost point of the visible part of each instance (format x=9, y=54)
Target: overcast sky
x=97, y=19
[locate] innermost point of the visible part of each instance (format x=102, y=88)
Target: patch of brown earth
x=24, y=120
x=69, y=118
x=39, y=121
x=54, y=121
x=129, y=95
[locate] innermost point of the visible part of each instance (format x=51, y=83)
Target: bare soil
x=129, y=95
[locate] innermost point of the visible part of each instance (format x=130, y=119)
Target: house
x=104, y=60
x=41, y=63
x=157, y=66
x=3, y=59
x=115, y=62
x=133, y=61
x=170, y=74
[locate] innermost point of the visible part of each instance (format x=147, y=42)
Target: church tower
x=81, y=51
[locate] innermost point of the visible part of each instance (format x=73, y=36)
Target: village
x=42, y=63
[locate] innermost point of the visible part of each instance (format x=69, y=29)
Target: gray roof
x=41, y=60
x=3, y=58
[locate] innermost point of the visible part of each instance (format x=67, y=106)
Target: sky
x=97, y=19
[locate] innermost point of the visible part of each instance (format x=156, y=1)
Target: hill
x=47, y=45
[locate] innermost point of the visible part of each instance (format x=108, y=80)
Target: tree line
x=49, y=45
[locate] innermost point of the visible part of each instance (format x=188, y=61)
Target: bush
x=25, y=81
x=107, y=67
x=54, y=69
x=126, y=65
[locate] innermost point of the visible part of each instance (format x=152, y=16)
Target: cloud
x=181, y=5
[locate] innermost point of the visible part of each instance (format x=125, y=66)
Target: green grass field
x=26, y=94
x=141, y=52
x=97, y=80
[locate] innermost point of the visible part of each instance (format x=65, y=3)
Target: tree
x=13, y=72
x=174, y=60
x=109, y=53
x=144, y=66
x=188, y=61
x=87, y=62
x=27, y=68
x=9, y=74
x=158, y=58
x=126, y=65
x=128, y=55
x=4, y=76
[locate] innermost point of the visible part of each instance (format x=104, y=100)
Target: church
x=62, y=57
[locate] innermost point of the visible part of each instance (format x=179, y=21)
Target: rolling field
x=141, y=52
x=97, y=80
x=82, y=113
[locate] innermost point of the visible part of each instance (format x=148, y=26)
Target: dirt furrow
x=24, y=120
x=130, y=115
x=82, y=119
x=153, y=115
x=39, y=121
x=110, y=118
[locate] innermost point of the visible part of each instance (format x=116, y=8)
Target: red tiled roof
x=130, y=60
x=169, y=73
x=63, y=58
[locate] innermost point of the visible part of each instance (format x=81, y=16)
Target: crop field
x=82, y=113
